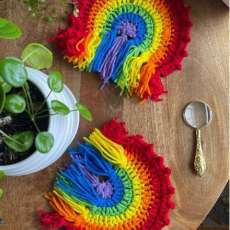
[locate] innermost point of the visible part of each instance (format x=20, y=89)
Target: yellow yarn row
x=110, y=150
x=76, y=206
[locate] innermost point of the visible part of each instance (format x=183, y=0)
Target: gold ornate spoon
x=198, y=114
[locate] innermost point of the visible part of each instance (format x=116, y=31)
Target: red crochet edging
x=66, y=39
x=160, y=175
x=177, y=49
x=117, y=132
x=54, y=221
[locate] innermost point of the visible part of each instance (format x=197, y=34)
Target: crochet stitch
x=115, y=181
x=132, y=43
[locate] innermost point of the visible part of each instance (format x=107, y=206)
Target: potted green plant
x=39, y=116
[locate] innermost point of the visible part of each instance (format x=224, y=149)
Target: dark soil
x=22, y=122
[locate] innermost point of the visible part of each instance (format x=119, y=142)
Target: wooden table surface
x=204, y=77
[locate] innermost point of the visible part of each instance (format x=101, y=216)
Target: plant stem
x=51, y=114
x=9, y=137
x=26, y=87
x=33, y=120
x=47, y=115
x=35, y=124
x=43, y=103
x=27, y=102
x=42, y=111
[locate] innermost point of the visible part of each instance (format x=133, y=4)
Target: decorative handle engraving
x=199, y=161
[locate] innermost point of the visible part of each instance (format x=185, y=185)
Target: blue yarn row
x=75, y=181
x=109, y=40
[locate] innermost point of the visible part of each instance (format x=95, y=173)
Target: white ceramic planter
x=63, y=128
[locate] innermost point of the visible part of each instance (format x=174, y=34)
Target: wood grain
x=204, y=77
x=214, y=228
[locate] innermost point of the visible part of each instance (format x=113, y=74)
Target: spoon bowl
x=197, y=114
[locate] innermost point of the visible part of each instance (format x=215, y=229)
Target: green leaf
x=20, y=142
x=1, y=193
x=9, y=30
x=59, y=107
x=6, y=87
x=84, y=112
x=13, y=71
x=2, y=174
x=15, y=103
x=37, y=56
x=2, y=98
x=44, y=141
x=55, y=81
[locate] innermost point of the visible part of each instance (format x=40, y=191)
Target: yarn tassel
x=156, y=87
x=101, y=52
x=51, y=220
x=111, y=151
x=110, y=59
x=91, y=160
x=81, y=180
x=64, y=214
x=146, y=74
x=113, y=49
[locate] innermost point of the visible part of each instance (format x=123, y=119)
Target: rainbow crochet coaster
x=115, y=182
x=132, y=43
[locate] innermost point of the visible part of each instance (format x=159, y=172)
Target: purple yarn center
x=127, y=30
x=104, y=188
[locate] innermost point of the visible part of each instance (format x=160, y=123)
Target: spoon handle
x=199, y=161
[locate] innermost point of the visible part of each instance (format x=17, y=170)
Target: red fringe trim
x=177, y=49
